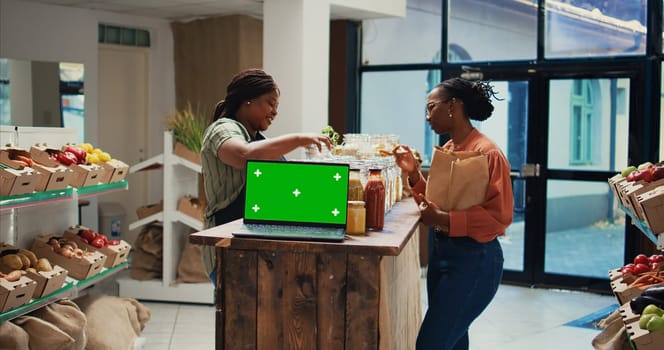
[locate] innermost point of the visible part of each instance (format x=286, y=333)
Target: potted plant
x=187, y=127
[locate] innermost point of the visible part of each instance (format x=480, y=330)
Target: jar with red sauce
x=374, y=198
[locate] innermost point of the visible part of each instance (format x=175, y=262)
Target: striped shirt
x=223, y=183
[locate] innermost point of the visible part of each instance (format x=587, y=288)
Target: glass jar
x=374, y=198
x=355, y=188
x=356, y=221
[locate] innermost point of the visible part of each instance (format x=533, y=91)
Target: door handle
x=530, y=170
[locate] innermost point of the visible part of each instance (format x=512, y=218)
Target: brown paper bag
x=457, y=180
x=13, y=337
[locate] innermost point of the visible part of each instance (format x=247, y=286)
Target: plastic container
x=111, y=219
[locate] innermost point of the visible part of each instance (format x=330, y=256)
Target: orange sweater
x=489, y=220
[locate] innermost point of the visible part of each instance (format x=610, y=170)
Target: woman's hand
x=405, y=159
x=432, y=215
x=317, y=140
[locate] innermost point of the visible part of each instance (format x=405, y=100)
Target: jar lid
x=356, y=203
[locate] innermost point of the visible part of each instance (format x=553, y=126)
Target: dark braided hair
x=245, y=86
x=476, y=96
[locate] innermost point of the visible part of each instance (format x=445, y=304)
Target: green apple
x=645, y=318
x=656, y=324
x=643, y=165
x=652, y=309
x=627, y=170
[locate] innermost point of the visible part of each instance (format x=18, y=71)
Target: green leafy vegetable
x=333, y=135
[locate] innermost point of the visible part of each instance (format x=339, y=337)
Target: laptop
x=295, y=200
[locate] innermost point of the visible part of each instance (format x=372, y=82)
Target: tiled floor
x=518, y=319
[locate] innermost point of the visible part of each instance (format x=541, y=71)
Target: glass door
x=587, y=143
x=564, y=137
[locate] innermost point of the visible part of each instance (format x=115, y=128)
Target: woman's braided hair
x=245, y=86
x=476, y=96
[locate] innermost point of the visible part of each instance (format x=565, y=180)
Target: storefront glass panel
x=582, y=28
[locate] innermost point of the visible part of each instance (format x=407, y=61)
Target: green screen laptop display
x=296, y=193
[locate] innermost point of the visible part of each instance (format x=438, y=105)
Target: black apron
x=235, y=210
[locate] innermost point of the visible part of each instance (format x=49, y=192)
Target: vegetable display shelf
x=71, y=289
x=89, y=191
x=657, y=239
x=35, y=198
x=69, y=193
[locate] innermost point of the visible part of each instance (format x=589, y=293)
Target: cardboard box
x=191, y=206
x=47, y=281
x=53, y=178
x=14, y=181
x=41, y=153
x=87, y=266
x=644, y=339
x=86, y=174
x=150, y=209
x=114, y=171
x=652, y=205
x=627, y=314
x=8, y=157
x=115, y=254
x=638, y=189
x=624, y=292
x=17, y=293
x=613, y=184
x=184, y=152
x=615, y=274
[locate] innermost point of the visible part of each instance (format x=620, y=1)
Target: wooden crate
x=627, y=314
x=644, y=339
x=115, y=254
x=17, y=293
x=88, y=266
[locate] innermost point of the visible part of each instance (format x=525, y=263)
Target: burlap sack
x=44, y=335
x=147, y=254
x=613, y=336
x=190, y=267
x=65, y=315
x=13, y=337
x=113, y=322
x=457, y=180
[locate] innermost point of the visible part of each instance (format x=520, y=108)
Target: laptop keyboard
x=295, y=230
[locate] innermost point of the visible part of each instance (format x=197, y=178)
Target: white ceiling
x=190, y=9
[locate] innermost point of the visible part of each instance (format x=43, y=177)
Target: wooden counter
x=363, y=293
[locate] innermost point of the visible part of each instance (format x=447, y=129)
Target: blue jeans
x=462, y=279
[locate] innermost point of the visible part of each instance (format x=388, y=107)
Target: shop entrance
x=565, y=134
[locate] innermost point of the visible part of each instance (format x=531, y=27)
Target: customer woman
x=235, y=135
x=466, y=260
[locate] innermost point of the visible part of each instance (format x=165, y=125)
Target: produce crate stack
x=640, y=191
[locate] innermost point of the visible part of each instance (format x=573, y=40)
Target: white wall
x=31, y=31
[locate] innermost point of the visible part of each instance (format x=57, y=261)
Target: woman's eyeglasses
x=431, y=105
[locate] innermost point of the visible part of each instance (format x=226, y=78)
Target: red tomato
x=641, y=259
x=98, y=243
x=113, y=242
x=627, y=270
x=641, y=268
x=654, y=266
x=88, y=234
x=656, y=258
